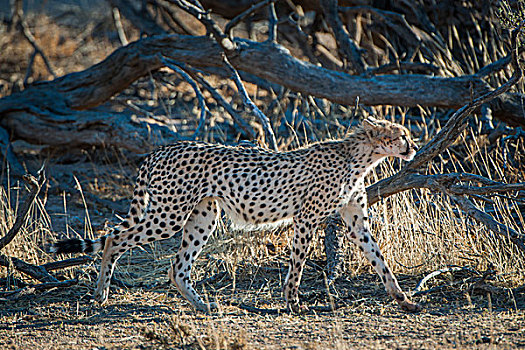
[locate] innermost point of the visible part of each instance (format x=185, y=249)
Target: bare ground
x=157, y=317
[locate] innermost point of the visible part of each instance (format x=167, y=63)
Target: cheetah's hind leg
x=201, y=224
x=106, y=270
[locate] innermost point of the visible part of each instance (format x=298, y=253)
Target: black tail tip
x=73, y=245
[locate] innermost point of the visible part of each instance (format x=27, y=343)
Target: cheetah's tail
x=75, y=245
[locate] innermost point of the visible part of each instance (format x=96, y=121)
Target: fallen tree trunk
x=83, y=129
x=54, y=103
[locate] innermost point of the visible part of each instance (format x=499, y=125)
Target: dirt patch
x=152, y=318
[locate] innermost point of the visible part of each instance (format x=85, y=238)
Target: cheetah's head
x=390, y=139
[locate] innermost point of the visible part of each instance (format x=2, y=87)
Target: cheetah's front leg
x=355, y=216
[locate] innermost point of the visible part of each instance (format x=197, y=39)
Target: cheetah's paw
x=297, y=308
x=409, y=306
x=207, y=308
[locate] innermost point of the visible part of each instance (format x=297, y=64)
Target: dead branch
x=118, y=24
x=486, y=190
x=15, y=168
x=497, y=66
x=36, y=185
x=347, y=46
x=62, y=264
x=477, y=278
x=483, y=218
x=241, y=16
x=202, y=103
x=229, y=48
x=89, y=88
x=257, y=310
x=408, y=177
x=18, y=22
x=424, y=280
x=419, y=287
x=404, y=66
x=272, y=25
x=37, y=272
x=246, y=128
x=447, y=184
x=27, y=290
x=248, y=103
x=82, y=129
x=451, y=181
x=334, y=240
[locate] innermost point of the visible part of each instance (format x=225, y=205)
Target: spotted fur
x=184, y=186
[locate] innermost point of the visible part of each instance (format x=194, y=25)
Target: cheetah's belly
x=256, y=213
x=244, y=222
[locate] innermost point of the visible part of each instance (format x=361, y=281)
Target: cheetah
x=186, y=184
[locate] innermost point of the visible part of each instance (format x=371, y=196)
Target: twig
x=433, y=274
x=229, y=47
x=202, y=103
x=438, y=182
x=29, y=70
x=272, y=23
x=6, y=148
x=305, y=41
x=472, y=190
x=329, y=308
x=21, y=25
x=237, y=19
x=120, y=29
x=57, y=265
x=248, y=103
x=347, y=47
x=36, y=185
x=248, y=130
x=204, y=17
x=497, y=66
x=470, y=209
x=15, y=294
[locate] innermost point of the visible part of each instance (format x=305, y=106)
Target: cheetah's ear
x=370, y=123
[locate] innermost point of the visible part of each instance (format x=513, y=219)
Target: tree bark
x=48, y=104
